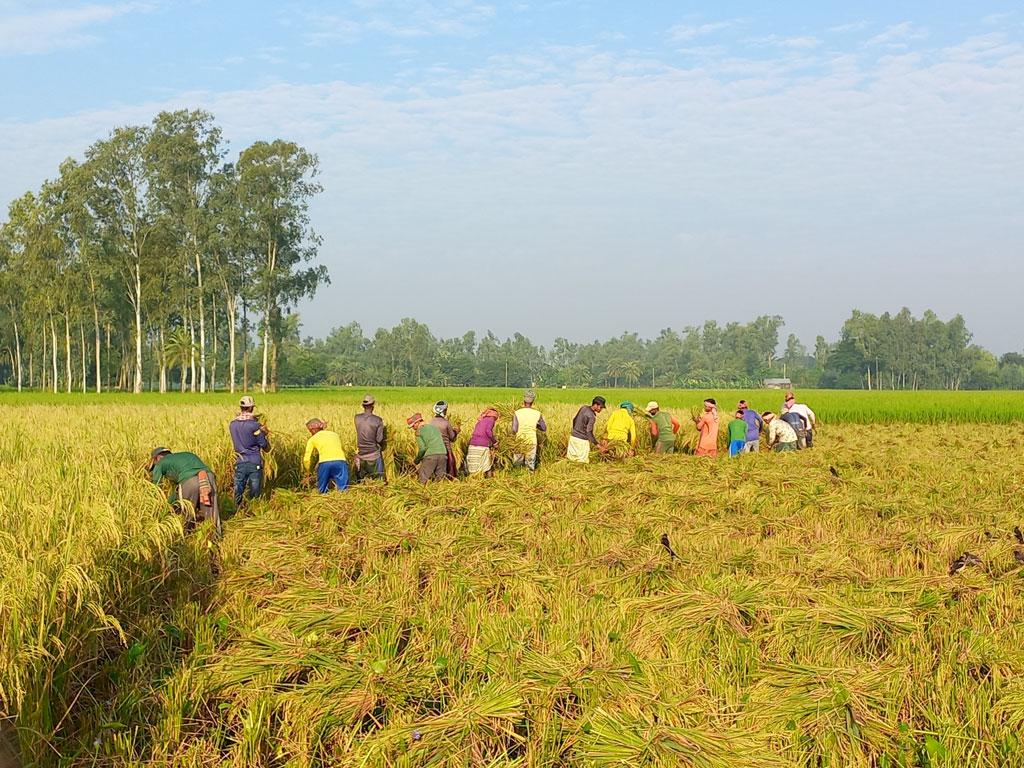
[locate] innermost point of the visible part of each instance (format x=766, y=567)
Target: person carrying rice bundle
x=194, y=482
x=582, y=438
x=479, y=458
x=449, y=433
x=664, y=428
x=527, y=422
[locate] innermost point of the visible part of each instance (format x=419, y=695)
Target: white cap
x=247, y=402
x=651, y=406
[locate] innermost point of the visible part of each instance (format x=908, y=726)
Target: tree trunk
x=213, y=363
x=192, y=350
x=53, y=352
x=202, y=324
x=17, y=349
x=67, y=353
x=163, y=362
x=137, y=388
x=96, y=330
x=85, y=357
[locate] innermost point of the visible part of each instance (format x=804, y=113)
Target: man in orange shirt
x=707, y=425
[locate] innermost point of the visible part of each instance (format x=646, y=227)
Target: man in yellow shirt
x=331, y=464
x=527, y=422
x=621, y=427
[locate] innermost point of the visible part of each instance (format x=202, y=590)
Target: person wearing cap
x=431, y=454
x=194, y=482
x=369, y=442
x=479, y=456
x=621, y=428
x=527, y=425
x=582, y=438
x=707, y=426
x=664, y=428
x=449, y=433
x=331, y=461
x=249, y=438
x=755, y=424
x=781, y=436
x=805, y=436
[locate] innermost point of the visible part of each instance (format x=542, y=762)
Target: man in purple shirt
x=249, y=438
x=754, y=426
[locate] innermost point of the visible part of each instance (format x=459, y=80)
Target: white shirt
x=802, y=410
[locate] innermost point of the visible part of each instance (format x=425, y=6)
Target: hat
x=413, y=420
x=598, y=401
x=246, y=402
x=440, y=407
x=651, y=406
x=159, y=452
x=628, y=405
x=529, y=396
x=368, y=400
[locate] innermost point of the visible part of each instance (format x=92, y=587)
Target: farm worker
x=431, y=455
x=448, y=434
x=781, y=436
x=754, y=426
x=331, y=462
x=249, y=438
x=664, y=428
x=707, y=425
x=806, y=438
x=481, y=444
x=527, y=422
x=621, y=427
x=582, y=437
x=194, y=480
x=737, y=434
x=369, y=442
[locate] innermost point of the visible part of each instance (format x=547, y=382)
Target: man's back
x=583, y=424
x=369, y=435
x=247, y=438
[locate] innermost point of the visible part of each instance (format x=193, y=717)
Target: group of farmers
x=195, y=482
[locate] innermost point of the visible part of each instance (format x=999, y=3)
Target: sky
x=581, y=169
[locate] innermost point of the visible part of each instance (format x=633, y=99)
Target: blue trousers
x=328, y=471
x=736, y=447
x=247, y=476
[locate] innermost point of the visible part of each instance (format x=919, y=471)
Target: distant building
x=777, y=384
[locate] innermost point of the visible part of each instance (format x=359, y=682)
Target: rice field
x=655, y=611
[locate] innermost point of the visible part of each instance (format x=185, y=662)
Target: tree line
x=886, y=352
x=155, y=262
x=155, y=252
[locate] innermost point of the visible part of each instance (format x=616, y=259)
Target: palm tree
x=632, y=372
x=614, y=371
x=179, y=351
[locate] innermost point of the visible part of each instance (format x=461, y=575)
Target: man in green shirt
x=432, y=456
x=194, y=482
x=737, y=434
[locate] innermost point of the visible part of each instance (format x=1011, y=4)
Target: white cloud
x=853, y=26
x=681, y=33
x=407, y=19
x=55, y=29
x=897, y=36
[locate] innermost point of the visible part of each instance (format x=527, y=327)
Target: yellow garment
x=527, y=419
x=621, y=427
x=327, y=446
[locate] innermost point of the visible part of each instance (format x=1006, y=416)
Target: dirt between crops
x=8, y=754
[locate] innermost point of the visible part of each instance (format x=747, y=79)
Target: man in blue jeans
x=250, y=440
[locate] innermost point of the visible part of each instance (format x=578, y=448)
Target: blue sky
x=585, y=168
